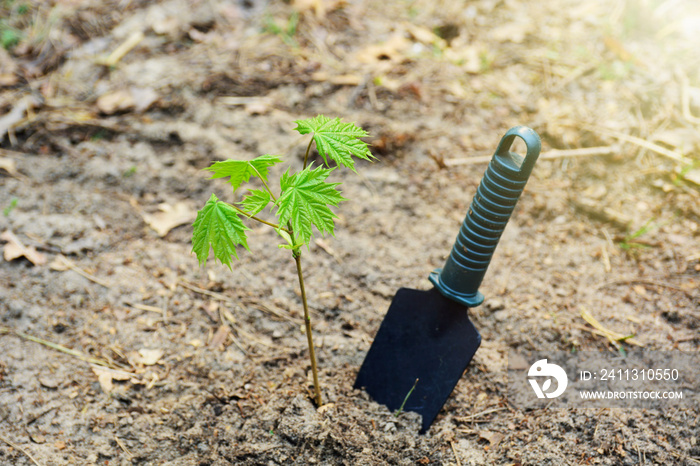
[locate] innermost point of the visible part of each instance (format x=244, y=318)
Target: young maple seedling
x=304, y=201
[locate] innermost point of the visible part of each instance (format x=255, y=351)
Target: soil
x=102, y=156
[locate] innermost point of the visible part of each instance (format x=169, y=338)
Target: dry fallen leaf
x=640, y=290
x=392, y=51
x=105, y=376
x=17, y=114
x=254, y=105
x=15, y=249
x=469, y=56
x=117, y=101
x=426, y=36
x=9, y=165
x=684, y=140
x=514, y=32
x=37, y=437
x=8, y=69
x=219, y=337
x=338, y=80
x=138, y=99
x=324, y=408
x=170, y=217
x=149, y=357
x=614, y=337
x=105, y=381
x=319, y=7
x=494, y=438
x=692, y=175
x=143, y=97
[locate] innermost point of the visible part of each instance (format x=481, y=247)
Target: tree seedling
x=305, y=200
x=632, y=241
x=400, y=410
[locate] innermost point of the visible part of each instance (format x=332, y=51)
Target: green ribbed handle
x=488, y=214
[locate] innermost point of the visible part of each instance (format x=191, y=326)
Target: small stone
x=495, y=304
x=48, y=382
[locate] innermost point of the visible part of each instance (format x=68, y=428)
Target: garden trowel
x=426, y=340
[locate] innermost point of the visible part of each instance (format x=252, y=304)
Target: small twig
x=274, y=312
x=145, y=307
x=33, y=418
x=226, y=299
x=329, y=250
x=602, y=213
x=573, y=76
x=549, y=155
x=17, y=447
x=642, y=281
x=63, y=349
x=639, y=454
x=260, y=341
x=237, y=343
x=454, y=452
x=122, y=445
x=606, y=255
x=125, y=47
x=692, y=257
x=675, y=156
x=685, y=457
x=62, y=263
x=483, y=413
x=211, y=294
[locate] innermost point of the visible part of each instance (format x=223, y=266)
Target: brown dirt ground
x=96, y=146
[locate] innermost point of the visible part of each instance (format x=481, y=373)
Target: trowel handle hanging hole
x=532, y=141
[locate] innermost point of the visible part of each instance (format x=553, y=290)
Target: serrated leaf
x=336, y=140
x=256, y=201
x=240, y=171
x=305, y=201
x=218, y=225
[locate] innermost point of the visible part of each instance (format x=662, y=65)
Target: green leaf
x=285, y=236
x=217, y=225
x=256, y=201
x=336, y=140
x=240, y=171
x=305, y=201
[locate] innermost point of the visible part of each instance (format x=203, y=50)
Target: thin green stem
x=262, y=178
x=306, y=156
x=307, y=317
x=307, y=324
x=253, y=217
x=396, y=414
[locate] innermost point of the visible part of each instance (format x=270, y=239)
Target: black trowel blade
x=424, y=336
